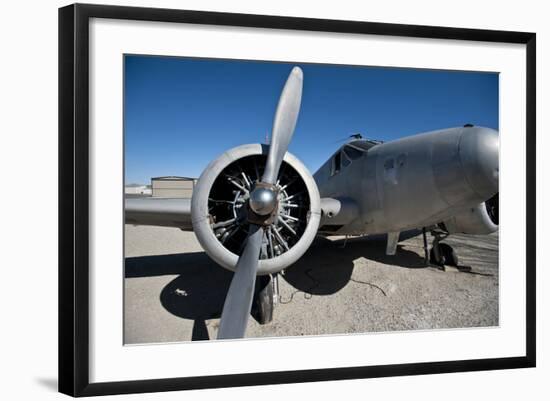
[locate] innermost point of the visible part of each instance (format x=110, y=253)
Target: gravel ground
x=174, y=292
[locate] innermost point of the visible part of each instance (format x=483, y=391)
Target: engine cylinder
x=221, y=198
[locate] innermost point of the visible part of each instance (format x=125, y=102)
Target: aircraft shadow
x=198, y=292
x=327, y=266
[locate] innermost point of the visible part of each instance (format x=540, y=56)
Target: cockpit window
x=345, y=160
x=336, y=161
x=352, y=153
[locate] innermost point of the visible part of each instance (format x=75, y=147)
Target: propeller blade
x=284, y=124
x=241, y=290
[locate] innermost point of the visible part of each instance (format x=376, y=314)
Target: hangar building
x=137, y=189
x=172, y=187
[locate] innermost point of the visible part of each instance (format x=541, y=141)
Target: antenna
x=355, y=136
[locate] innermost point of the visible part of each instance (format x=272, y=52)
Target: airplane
x=256, y=208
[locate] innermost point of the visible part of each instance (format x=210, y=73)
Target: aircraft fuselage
x=412, y=182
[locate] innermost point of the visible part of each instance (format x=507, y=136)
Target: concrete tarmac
x=174, y=292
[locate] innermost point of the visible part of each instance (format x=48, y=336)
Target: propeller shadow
x=197, y=293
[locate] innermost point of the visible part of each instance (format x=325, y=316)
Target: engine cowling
x=221, y=193
x=482, y=219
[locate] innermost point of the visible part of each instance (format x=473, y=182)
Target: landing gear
x=263, y=303
x=441, y=254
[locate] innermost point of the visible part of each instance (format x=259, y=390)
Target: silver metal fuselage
x=413, y=182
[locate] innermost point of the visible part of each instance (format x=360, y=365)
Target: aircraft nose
x=479, y=149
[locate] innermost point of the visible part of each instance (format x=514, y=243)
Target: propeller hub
x=263, y=200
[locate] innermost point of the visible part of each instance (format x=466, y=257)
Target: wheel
x=434, y=260
x=262, y=305
x=447, y=255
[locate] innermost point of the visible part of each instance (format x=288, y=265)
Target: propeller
x=261, y=204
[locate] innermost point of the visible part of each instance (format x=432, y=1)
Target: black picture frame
x=74, y=195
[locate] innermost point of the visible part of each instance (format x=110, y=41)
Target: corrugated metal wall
x=172, y=188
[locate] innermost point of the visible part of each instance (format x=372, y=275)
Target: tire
x=262, y=305
x=447, y=254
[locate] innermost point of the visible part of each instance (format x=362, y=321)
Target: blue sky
x=181, y=113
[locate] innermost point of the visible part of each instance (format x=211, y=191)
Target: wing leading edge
x=167, y=212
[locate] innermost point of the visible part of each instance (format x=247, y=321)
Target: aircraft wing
x=176, y=212
x=167, y=212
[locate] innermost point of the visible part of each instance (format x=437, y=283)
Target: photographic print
x=270, y=199
x=294, y=216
